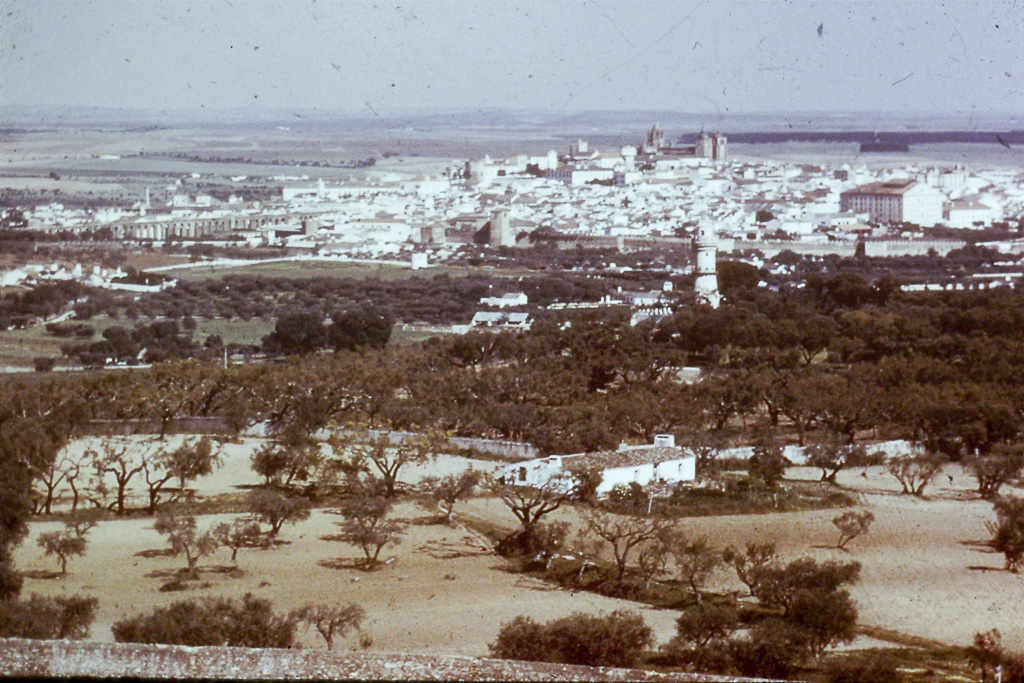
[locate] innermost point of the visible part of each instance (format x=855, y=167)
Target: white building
x=966, y=214
x=663, y=461
x=510, y=299
x=895, y=201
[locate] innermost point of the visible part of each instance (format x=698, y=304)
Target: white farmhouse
x=663, y=461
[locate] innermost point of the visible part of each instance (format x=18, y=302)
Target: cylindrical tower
x=705, y=288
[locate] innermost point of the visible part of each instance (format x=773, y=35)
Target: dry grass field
x=446, y=592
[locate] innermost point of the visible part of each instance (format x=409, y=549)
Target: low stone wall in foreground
x=67, y=658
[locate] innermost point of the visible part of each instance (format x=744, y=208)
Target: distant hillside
x=502, y=120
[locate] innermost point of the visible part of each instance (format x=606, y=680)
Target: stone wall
x=66, y=658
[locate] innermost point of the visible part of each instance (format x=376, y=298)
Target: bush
x=826, y=618
x=613, y=640
x=771, y=650
x=42, y=618
x=1008, y=531
x=875, y=670
x=987, y=655
x=776, y=586
x=212, y=621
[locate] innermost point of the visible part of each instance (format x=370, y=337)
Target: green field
x=233, y=331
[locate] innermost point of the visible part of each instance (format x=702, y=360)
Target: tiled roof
x=634, y=457
x=889, y=187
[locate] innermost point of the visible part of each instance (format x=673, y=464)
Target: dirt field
x=923, y=573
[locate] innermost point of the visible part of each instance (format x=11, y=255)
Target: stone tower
x=501, y=231
x=705, y=288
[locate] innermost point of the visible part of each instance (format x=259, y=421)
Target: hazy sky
x=893, y=56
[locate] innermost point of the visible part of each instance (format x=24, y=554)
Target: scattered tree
x=915, y=472
x=191, y=460
x=241, y=533
x=706, y=446
x=832, y=455
x=695, y=560
x=71, y=542
x=826, y=618
x=776, y=585
x=700, y=624
x=293, y=457
x=767, y=464
x=852, y=524
x=530, y=504
x=276, y=509
x=748, y=564
x=770, y=650
x=1001, y=466
x=652, y=557
x=183, y=537
x=366, y=524
x=331, y=620
x=449, y=490
x=389, y=458
x=121, y=458
x=623, y=533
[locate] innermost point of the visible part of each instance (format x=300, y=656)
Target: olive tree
x=852, y=524
x=449, y=490
x=622, y=534
x=184, y=538
x=331, y=621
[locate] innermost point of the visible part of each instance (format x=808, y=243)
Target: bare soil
x=926, y=570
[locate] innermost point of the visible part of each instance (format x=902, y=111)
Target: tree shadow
x=344, y=563
x=429, y=520
x=177, y=585
x=831, y=546
x=985, y=568
x=228, y=569
x=41, y=574
x=980, y=546
x=450, y=550
x=155, y=552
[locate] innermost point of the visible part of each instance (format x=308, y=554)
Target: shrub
x=987, y=655
x=875, y=670
x=701, y=624
x=767, y=465
x=1008, y=531
x=613, y=640
x=212, y=621
x=995, y=469
x=776, y=586
x=770, y=650
x=42, y=618
x=826, y=618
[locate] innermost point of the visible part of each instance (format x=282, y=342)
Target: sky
x=955, y=57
